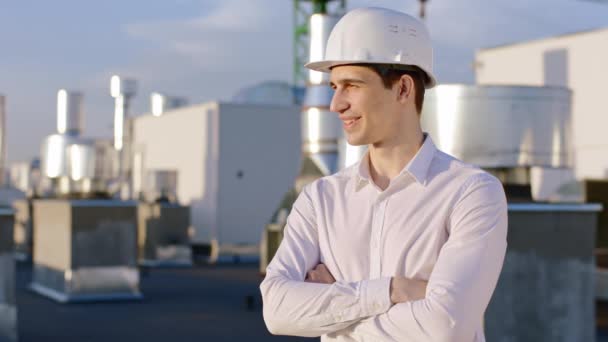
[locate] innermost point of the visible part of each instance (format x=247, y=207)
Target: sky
x=209, y=49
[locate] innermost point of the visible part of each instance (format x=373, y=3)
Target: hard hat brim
x=325, y=66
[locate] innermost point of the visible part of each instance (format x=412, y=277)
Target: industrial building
x=231, y=169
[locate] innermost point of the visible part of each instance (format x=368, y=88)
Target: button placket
x=378, y=236
x=374, y=254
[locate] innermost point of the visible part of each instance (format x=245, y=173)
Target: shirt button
x=376, y=306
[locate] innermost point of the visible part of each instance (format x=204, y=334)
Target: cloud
x=237, y=35
x=209, y=55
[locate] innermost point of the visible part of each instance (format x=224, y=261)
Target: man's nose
x=338, y=102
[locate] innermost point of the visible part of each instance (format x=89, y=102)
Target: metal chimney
x=70, y=113
x=321, y=128
x=122, y=90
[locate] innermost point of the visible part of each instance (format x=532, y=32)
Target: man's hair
x=391, y=73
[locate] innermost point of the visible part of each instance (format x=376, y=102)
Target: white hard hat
x=379, y=36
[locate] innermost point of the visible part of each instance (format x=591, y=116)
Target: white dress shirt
x=440, y=220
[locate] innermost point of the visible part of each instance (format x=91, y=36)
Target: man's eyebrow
x=347, y=80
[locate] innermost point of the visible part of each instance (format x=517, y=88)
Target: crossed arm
x=455, y=298
x=402, y=289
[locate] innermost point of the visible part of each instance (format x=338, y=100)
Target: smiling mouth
x=348, y=123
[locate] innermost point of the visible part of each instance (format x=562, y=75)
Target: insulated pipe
x=321, y=128
x=122, y=90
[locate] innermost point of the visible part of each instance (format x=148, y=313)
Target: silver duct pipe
x=321, y=25
x=503, y=127
x=70, y=113
x=68, y=160
x=122, y=90
x=321, y=128
x=495, y=127
x=521, y=134
x=70, y=163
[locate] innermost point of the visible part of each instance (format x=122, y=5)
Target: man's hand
x=406, y=290
x=319, y=274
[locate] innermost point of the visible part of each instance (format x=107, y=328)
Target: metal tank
x=53, y=155
x=76, y=166
x=81, y=161
x=501, y=126
x=66, y=158
x=69, y=161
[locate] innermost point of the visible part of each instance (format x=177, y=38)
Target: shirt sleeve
x=292, y=306
x=463, y=278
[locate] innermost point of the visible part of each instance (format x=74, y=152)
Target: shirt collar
x=418, y=167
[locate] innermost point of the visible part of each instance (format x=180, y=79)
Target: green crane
x=303, y=9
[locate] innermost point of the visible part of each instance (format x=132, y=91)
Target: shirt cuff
x=375, y=296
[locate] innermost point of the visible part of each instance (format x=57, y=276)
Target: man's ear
x=405, y=88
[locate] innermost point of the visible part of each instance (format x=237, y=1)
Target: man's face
x=370, y=113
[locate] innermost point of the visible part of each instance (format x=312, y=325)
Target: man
x=406, y=245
